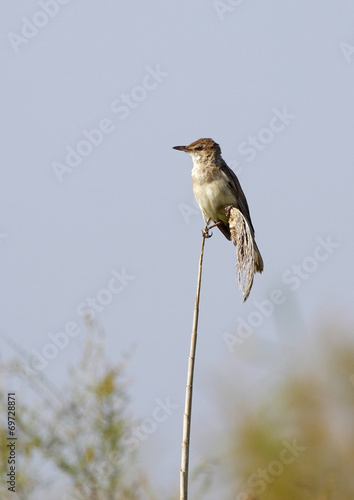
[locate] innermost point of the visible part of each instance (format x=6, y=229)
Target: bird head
x=202, y=149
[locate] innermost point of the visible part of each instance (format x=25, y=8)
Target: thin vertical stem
x=189, y=388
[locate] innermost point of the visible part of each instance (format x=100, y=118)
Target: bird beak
x=181, y=148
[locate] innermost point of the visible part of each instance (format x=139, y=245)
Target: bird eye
x=199, y=148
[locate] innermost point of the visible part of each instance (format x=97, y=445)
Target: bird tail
x=258, y=261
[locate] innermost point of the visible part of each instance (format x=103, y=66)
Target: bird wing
x=224, y=228
x=236, y=188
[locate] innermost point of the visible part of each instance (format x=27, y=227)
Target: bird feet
x=205, y=232
x=216, y=224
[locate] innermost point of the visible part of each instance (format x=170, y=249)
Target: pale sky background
x=222, y=75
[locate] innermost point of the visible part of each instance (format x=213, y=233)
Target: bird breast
x=212, y=192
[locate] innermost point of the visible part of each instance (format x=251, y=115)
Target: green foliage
x=299, y=443
x=83, y=428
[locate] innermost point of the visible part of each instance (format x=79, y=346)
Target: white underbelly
x=213, y=197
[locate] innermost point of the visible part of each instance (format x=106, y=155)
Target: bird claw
x=206, y=233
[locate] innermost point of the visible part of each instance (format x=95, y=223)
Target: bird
x=217, y=187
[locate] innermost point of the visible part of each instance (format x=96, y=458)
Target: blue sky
x=97, y=208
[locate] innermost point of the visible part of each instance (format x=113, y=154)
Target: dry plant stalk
x=189, y=387
x=243, y=240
